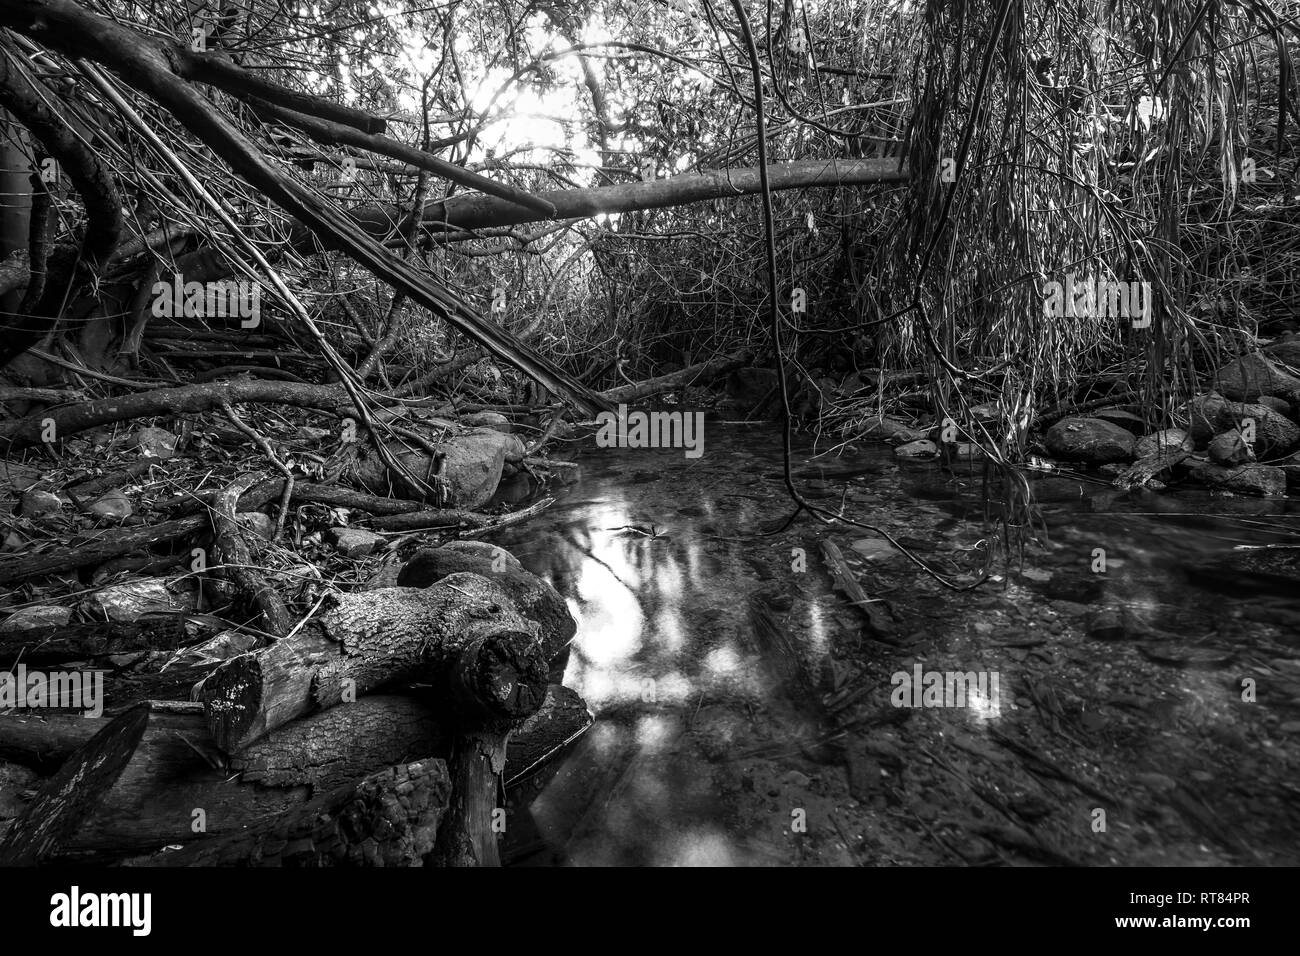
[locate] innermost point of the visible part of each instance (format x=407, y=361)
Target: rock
x=1247, y=378
x=353, y=542
x=472, y=466
x=113, y=505
x=1279, y=405
x=1122, y=417
x=257, y=524
x=1212, y=413
x=155, y=443
x=1113, y=624
x=1254, y=479
x=1292, y=468
x=1287, y=352
x=34, y=618
x=1230, y=448
x=923, y=448
x=1162, y=442
x=1089, y=440
x=431, y=565
x=38, y=504
x=134, y=599
x=493, y=420
x=17, y=475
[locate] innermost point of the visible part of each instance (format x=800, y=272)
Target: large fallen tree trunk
x=174, y=769
x=692, y=375
x=55, y=644
x=388, y=819
x=463, y=635
x=482, y=212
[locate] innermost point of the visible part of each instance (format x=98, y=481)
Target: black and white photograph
x=645, y=434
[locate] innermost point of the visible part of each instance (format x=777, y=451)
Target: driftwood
x=388, y=819
x=462, y=635
x=882, y=626
x=1144, y=469
x=238, y=567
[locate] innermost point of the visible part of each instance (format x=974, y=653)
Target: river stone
x=430, y=565
x=493, y=420
x=353, y=542
x=1230, y=448
x=923, y=448
x=17, y=475
x=34, y=618
x=113, y=505
x=132, y=600
x=155, y=442
x=1253, y=479
x=257, y=524
x=1286, y=351
x=1211, y=414
x=1122, y=417
x=1089, y=440
x=37, y=504
x=1162, y=442
x=1279, y=405
x=472, y=466
x=1247, y=378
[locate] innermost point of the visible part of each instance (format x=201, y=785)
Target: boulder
x=1247, y=378
x=1229, y=448
x=1253, y=479
x=1287, y=352
x=1208, y=415
x=1162, y=443
x=1279, y=405
x=35, y=618
x=36, y=503
x=1089, y=440
x=353, y=542
x=924, y=448
x=132, y=600
x=493, y=420
x=472, y=466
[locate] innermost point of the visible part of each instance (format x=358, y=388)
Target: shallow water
x=720, y=739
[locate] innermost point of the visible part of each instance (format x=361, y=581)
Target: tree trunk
x=463, y=635
x=388, y=819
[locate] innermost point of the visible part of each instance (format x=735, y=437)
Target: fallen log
x=699, y=373
x=238, y=567
x=389, y=819
x=469, y=834
x=55, y=644
x=882, y=626
x=97, y=547
x=534, y=598
x=175, y=769
x=463, y=635
x=66, y=799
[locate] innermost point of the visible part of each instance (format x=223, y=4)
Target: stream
x=1138, y=700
